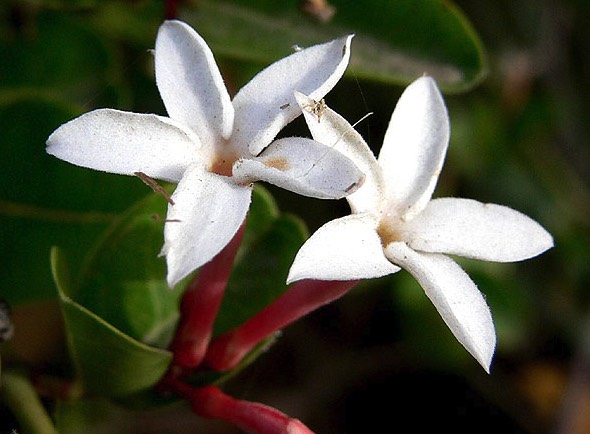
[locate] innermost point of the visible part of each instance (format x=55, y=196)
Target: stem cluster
x=194, y=348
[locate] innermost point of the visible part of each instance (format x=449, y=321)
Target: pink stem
x=200, y=304
x=227, y=350
x=252, y=417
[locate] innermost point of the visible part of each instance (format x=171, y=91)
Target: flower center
x=389, y=230
x=222, y=163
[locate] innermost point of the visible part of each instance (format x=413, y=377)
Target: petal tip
x=291, y=278
x=175, y=273
x=348, y=42
x=50, y=144
x=484, y=351
x=548, y=242
x=425, y=81
x=173, y=23
x=172, y=280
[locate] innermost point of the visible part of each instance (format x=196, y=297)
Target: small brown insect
x=151, y=183
x=317, y=108
x=284, y=106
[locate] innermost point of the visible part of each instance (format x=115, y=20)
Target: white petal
x=190, y=83
x=331, y=129
x=458, y=301
x=347, y=248
x=415, y=146
x=476, y=230
x=125, y=143
x=207, y=213
x=266, y=104
x=303, y=166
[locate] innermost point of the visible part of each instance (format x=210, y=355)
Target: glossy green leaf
x=124, y=278
x=108, y=361
x=122, y=303
x=395, y=42
x=45, y=201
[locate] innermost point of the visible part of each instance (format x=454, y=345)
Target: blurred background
x=380, y=359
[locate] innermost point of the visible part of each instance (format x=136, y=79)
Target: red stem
x=252, y=417
x=200, y=304
x=227, y=350
x=171, y=9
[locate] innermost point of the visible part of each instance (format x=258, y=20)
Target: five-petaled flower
x=214, y=147
x=395, y=223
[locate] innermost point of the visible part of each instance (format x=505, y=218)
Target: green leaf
x=45, y=201
x=122, y=302
x=108, y=361
x=124, y=279
x=395, y=42
x=261, y=215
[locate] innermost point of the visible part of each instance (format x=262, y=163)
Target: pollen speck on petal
x=281, y=164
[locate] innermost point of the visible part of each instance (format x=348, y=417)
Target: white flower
x=395, y=223
x=212, y=145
